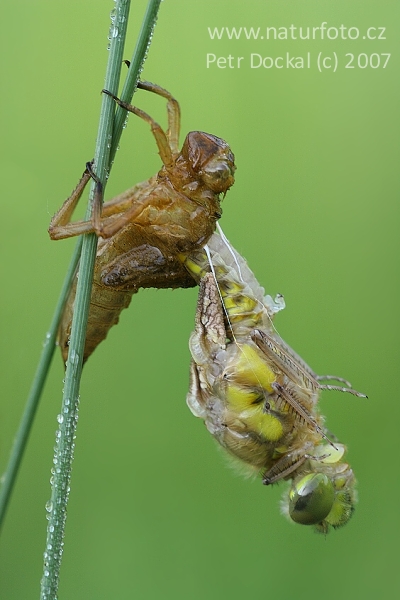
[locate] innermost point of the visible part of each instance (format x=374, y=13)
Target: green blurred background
x=154, y=511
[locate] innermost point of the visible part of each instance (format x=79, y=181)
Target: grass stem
x=21, y=438
x=67, y=419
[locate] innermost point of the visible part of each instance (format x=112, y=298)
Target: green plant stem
x=65, y=436
x=35, y=392
x=9, y=477
x=64, y=449
x=135, y=68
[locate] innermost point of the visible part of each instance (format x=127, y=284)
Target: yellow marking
x=243, y=304
x=230, y=287
x=194, y=267
x=240, y=398
x=251, y=370
x=242, y=402
x=264, y=424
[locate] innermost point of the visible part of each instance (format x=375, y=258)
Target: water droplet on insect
x=49, y=506
x=60, y=418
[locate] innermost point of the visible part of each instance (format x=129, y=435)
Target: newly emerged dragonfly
x=142, y=230
x=258, y=398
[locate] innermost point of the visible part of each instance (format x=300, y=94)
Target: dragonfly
x=143, y=230
x=258, y=397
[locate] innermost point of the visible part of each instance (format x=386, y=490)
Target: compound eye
x=218, y=175
x=311, y=499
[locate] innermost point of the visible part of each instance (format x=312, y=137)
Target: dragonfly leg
x=164, y=148
x=285, y=466
x=174, y=113
x=60, y=225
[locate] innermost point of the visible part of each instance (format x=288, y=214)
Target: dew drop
x=47, y=339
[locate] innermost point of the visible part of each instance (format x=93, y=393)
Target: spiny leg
x=281, y=357
x=284, y=466
x=288, y=464
x=289, y=398
x=347, y=388
x=293, y=368
x=338, y=388
x=333, y=378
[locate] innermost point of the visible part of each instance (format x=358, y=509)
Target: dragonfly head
x=322, y=497
x=211, y=160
